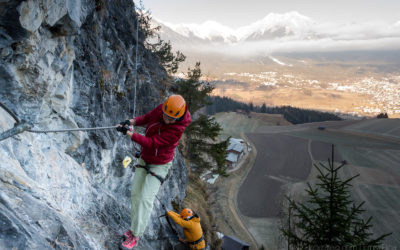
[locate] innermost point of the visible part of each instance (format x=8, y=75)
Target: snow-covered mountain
x=209, y=31
x=271, y=27
x=276, y=26
x=288, y=32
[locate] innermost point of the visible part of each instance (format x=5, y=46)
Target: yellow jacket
x=191, y=229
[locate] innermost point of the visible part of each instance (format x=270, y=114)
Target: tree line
x=291, y=114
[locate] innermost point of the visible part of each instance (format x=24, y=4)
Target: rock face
x=69, y=64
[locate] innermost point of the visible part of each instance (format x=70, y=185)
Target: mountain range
x=288, y=32
x=270, y=27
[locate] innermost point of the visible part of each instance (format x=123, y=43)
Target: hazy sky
x=235, y=13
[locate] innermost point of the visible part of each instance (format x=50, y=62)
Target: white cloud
x=321, y=45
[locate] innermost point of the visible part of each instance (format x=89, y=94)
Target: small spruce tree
x=153, y=42
x=382, y=115
x=329, y=218
x=263, y=108
x=194, y=90
x=201, y=135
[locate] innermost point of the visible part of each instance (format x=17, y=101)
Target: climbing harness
x=197, y=241
x=147, y=168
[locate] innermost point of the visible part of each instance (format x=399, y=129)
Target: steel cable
x=68, y=130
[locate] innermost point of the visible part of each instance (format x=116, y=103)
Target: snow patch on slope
x=279, y=62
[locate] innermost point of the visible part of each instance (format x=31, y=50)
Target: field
x=234, y=124
x=272, y=169
x=284, y=164
x=383, y=127
x=248, y=202
x=229, y=221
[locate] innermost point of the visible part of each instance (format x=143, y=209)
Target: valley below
x=281, y=163
x=351, y=88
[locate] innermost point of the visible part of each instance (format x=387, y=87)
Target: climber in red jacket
x=164, y=127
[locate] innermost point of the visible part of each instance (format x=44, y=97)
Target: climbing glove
x=122, y=129
x=126, y=122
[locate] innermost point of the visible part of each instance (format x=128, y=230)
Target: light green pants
x=144, y=190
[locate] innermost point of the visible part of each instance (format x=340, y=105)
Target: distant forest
x=293, y=115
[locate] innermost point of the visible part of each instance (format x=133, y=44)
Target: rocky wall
x=69, y=64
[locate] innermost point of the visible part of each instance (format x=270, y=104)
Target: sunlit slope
x=384, y=127
x=233, y=123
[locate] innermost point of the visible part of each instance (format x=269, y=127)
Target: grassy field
x=283, y=163
x=347, y=139
x=384, y=127
x=377, y=160
x=234, y=124
x=271, y=170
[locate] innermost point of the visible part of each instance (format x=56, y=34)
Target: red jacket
x=160, y=140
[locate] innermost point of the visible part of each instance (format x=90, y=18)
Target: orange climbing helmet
x=186, y=213
x=174, y=106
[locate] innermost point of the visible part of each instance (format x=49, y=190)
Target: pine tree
x=148, y=29
x=382, y=115
x=202, y=133
x=193, y=89
x=330, y=218
x=153, y=42
x=219, y=153
x=251, y=106
x=263, y=108
x=169, y=60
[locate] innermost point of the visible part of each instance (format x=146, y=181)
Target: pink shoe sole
x=128, y=233
x=131, y=242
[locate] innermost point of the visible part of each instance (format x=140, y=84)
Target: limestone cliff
x=69, y=64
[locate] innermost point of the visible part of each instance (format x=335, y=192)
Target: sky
x=235, y=13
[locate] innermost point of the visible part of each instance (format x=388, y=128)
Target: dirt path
x=310, y=150
x=229, y=219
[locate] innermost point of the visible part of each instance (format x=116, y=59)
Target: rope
x=10, y=112
x=24, y=126
x=17, y=129
x=167, y=218
x=136, y=63
x=21, y=127
x=68, y=130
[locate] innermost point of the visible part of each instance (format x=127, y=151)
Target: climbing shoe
x=131, y=242
x=128, y=233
